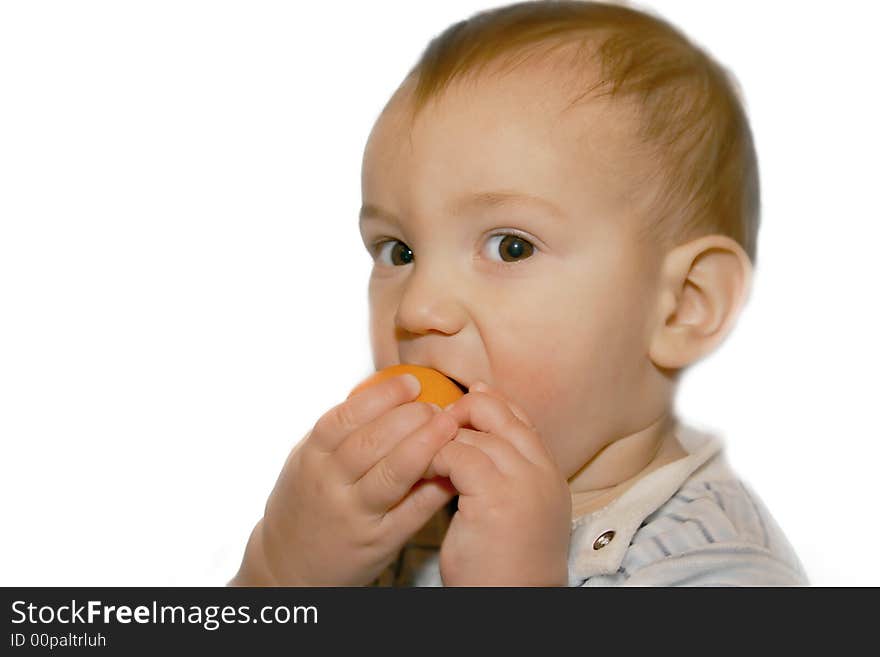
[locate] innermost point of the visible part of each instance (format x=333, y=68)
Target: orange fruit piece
x=437, y=388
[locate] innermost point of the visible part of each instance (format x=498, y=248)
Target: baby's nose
x=430, y=303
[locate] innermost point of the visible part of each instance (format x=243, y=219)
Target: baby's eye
x=399, y=256
x=512, y=247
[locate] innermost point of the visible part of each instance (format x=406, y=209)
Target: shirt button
x=603, y=540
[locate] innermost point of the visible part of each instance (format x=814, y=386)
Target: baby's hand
x=351, y=492
x=513, y=523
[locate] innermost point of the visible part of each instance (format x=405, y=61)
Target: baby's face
x=504, y=238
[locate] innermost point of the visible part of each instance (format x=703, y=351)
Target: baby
x=561, y=202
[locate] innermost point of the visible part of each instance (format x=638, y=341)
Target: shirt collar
x=591, y=555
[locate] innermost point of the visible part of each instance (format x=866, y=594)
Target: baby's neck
x=618, y=466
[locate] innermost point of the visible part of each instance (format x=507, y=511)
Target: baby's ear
x=704, y=284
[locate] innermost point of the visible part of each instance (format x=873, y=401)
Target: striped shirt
x=692, y=522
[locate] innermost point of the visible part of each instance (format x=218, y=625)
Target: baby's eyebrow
x=474, y=200
x=501, y=198
x=369, y=211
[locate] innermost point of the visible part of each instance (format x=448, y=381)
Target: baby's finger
x=365, y=406
x=423, y=501
x=505, y=456
x=363, y=448
x=391, y=478
x=492, y=415
x=479, y=386
x=469, y=469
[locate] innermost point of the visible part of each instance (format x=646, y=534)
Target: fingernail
x=412, y=383
x=436, y=407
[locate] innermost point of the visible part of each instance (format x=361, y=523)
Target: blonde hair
x=689, y=105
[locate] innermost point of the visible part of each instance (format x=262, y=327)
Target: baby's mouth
x=461, y=387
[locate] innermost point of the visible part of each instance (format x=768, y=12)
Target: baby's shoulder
x=704, y=512
x=713, y=524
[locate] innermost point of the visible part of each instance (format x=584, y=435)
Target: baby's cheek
x=562, y=399
x=536, y=389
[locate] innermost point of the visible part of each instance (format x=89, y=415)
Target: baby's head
x=561, y=200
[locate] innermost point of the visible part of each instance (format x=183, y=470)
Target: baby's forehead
x=522, y=130
x=541, y=102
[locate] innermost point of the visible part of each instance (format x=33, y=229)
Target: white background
x=183, y=287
